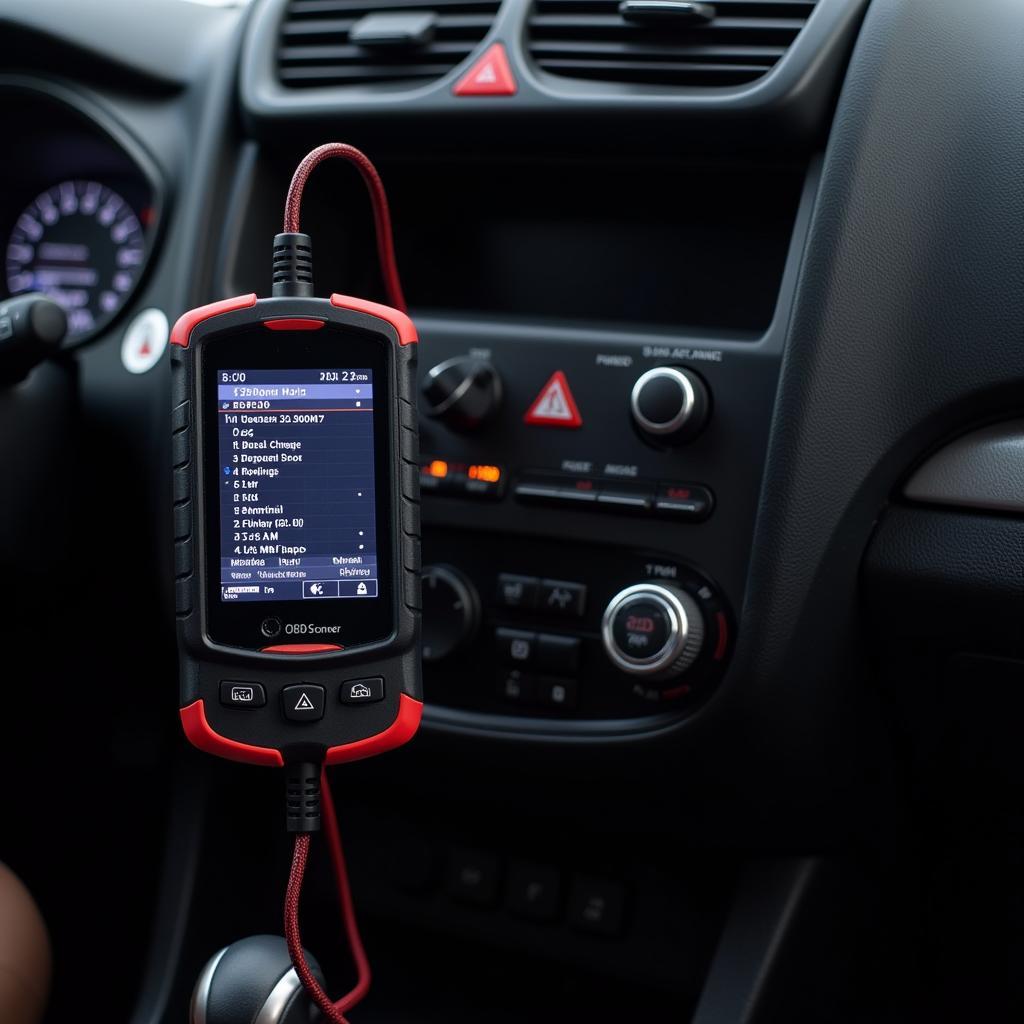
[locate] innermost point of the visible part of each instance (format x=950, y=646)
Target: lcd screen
x=297, y=484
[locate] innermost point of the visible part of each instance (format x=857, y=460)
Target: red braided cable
x=348, y=910
x=294, y=938
x=378, y=199
x=333, y=1011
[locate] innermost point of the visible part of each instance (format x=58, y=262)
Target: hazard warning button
x=491, y=75
x=554, y=406
x=303, y=703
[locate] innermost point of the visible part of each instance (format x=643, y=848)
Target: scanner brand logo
x=308, y=629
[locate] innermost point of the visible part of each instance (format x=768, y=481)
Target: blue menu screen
x=297, y=503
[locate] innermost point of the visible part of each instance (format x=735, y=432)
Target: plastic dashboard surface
x=792, y=99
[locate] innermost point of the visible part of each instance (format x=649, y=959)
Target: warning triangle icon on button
x=491, y=75
x=555, y=405
x=304, y=703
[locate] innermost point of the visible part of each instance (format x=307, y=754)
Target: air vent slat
x=472, y=23
x=360, y=73
x=725, y=8
x=612, y=22
x=590, y=39
x=301, y=9
x=333, y=54
x=314, y=48
x=766, y=55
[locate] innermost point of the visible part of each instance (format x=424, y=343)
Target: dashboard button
x=473, y=878
x=625, y=496
x=362, y=691
x=559, y=655
x=670, y=404
x=303, y=703
x=583, y=490
x=517, y=591
x=558, y=490
x=516, y=687
x=562, y=597
x=642, y=628
x=557, y=693
x=685, y=501
x=597, y=906
x=516, y=647
x=451, y=611
x=463, y=392
x=653, y=629
x=237, y=694
x=533, y=891
x=538, y=490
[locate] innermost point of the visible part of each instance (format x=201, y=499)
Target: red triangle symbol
x=145, y=349
x=489, y=76
x=554, y=406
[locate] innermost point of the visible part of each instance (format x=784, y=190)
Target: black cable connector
x=302, y=796
x=293, y=265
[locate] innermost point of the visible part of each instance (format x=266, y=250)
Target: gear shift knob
x=252, y=982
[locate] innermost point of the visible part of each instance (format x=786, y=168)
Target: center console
x=590, y=469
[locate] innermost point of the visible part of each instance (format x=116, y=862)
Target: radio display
x=296, y=475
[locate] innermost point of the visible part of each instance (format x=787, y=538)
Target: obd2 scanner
x=296, y=519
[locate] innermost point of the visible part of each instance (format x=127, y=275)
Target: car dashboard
x=738, y=306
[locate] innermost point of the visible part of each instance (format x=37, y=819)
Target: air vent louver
x=315, y=48
x=590, y=39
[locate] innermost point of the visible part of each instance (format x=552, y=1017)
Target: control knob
x=653, y=630
x=451, y=611
x=670, y=405
x=463, y=392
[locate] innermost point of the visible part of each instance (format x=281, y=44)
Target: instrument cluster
x=79, y=209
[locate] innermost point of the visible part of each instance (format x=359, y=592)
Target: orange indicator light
x=438, y=468
x=488, y=474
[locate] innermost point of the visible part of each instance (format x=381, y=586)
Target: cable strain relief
x=302, y=796
x=293, y=265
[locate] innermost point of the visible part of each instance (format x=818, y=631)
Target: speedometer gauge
x=81, y=244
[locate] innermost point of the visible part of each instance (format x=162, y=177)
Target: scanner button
x=237, y=694
x=362, y=691
x=303, y=703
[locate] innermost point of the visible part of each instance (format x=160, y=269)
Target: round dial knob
x=451, y=611
x=670, y=405
x=653, y=629
x=464, y=392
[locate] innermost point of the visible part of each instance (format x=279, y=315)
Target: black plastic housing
x=262, y=735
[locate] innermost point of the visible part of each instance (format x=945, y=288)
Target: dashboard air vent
x=359, y=42
x=664, y=42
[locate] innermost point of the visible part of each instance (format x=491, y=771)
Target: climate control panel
x=588, y=506
x=572, y=631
